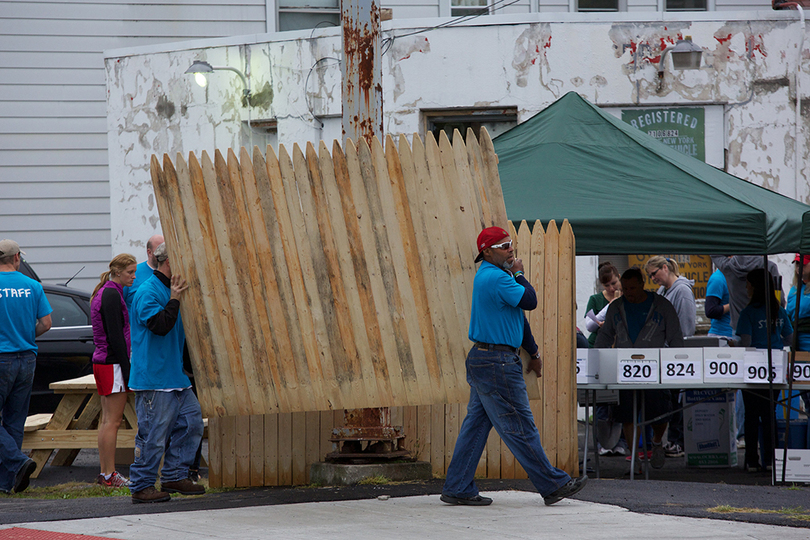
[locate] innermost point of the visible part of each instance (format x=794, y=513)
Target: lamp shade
x=686, y=55
x=200, y=66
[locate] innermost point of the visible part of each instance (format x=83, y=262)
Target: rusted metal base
x=358, y=443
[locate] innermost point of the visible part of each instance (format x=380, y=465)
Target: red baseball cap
x=487, y=238
x=806, y=259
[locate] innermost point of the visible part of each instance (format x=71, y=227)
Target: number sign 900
x=723, y=368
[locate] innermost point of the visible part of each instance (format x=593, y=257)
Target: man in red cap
x=498, y=395
x=800, y=293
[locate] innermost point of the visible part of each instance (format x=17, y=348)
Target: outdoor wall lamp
x=685, y=55
x=200, y=68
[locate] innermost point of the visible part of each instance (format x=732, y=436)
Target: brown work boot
x=185, y=487
x=149, y=495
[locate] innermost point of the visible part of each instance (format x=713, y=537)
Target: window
x=686, y=5
x=460, y=8
x=66, y=312
x=495, y=119
x=265, y=133
x=300, y=14
x=599, y=5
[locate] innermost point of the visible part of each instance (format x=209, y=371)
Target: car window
x=66, y=312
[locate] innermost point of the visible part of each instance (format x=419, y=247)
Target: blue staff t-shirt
x=495, y=315
x=752, y=322
x=636, y=316
x=22, y=302
x=718, y=288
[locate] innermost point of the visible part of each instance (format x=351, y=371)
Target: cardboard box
x=629, y=366
x=756, y=366
x=723, y=365
x=682, y=365
x=798, y=465
x=709, y=429
x=801, y=370
x=587, y=366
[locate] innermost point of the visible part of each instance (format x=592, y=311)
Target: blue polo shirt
x=22, y=302
x=157, y=361
x=495, y=315
x=142, y=272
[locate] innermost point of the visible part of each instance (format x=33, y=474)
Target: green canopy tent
x=625, y=192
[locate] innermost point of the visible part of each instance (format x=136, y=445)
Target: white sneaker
x=673, y=450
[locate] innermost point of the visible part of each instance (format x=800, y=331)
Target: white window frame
x=482, y=115
x=273, y=9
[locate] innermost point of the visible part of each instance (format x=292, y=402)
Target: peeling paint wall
x=749, y=65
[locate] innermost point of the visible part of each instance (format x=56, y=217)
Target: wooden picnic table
x=74, y=424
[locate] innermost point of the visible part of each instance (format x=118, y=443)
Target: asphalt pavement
x=674, y=491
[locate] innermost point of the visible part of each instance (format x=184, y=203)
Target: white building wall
x=527, y=62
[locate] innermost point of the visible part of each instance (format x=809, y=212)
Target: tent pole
x=769, y=326
x=794, y=347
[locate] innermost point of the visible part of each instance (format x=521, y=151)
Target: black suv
x=66, y=350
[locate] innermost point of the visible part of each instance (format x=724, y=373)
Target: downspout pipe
x=798, y=112
x=798, y=103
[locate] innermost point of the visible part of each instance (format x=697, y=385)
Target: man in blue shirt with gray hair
x=170, y=422
x=24, y=314
x=498, y=396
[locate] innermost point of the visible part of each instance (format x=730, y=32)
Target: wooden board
x=330, y=278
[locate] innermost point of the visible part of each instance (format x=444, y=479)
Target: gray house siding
x=54, y=180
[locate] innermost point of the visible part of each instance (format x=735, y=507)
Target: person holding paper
x=596, y=309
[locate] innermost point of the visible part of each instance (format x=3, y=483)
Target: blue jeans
x=162, y=416
x=498, y=398
x=16, y=380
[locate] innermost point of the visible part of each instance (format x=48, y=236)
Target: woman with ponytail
x=110, y=319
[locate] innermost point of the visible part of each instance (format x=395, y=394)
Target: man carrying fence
x=498, y=396
x=166, y=406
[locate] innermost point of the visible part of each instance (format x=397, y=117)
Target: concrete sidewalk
x=513, y=515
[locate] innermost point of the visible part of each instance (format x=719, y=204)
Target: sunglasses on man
x=504, y=245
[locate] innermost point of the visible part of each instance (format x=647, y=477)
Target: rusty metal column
x=362, y=70
x=367, y=434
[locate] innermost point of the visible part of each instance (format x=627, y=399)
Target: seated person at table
x=642, y=319
x=752, y=329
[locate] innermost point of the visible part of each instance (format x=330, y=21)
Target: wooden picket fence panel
x=321, y=282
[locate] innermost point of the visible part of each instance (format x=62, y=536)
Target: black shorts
x=656, y=403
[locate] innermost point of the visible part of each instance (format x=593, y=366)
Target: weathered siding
x=54, y=180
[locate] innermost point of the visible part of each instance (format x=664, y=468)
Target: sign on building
x=680, y=128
